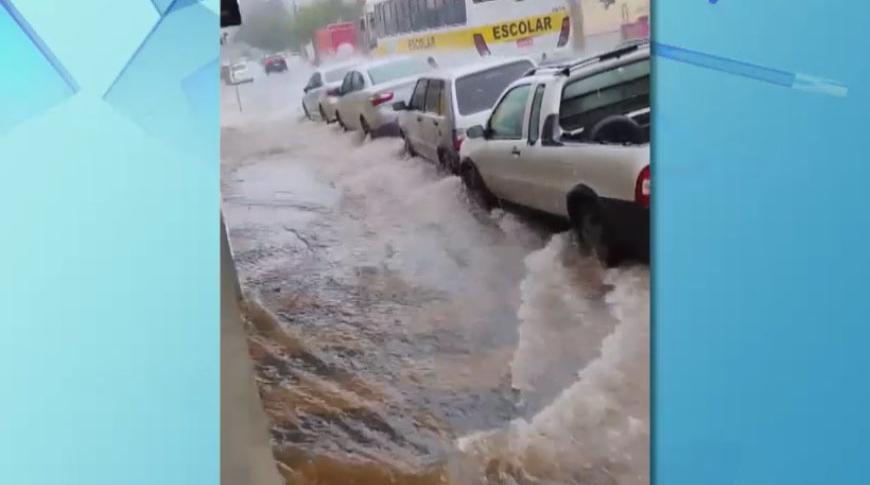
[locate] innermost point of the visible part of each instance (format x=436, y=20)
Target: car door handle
x=515, y=152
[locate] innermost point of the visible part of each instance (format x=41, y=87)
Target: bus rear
x=540, y=28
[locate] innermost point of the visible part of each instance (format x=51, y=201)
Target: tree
x=266, y=26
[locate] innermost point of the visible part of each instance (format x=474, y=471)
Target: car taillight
x=381, y=98
x=566, y=31
x=480, y=45
x=458, y=138
x=642, y=189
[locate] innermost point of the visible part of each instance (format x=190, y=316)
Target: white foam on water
x=563, y=319
x=596, y=430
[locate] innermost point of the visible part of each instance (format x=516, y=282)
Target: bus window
x=379, y=19
x=418, y=15
x=389, y=17
x=434, y=13
x=404, y=17
x=397, y=10
x=394, y=10
x=456, y=12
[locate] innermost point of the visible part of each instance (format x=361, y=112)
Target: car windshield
x=336, y=75
x=479, y=91
x=397, y=70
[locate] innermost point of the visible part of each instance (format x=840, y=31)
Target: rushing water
x=400, y=338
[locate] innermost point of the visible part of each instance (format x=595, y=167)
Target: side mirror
x=306, y=89
x=476, y=131
x=400, y=106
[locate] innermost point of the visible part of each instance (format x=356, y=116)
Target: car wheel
x=447, y=161
x=594, y=239
x=364, y=125
x=323, y=114
x=340, y=123
x=477, y=190
x=305, y=109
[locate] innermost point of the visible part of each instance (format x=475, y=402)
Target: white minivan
x=446, y=103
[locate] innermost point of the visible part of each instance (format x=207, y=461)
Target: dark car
x=275, y=64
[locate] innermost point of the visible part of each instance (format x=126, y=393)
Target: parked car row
x=364, y=98
x=568, y=140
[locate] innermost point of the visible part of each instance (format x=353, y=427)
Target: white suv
x=446, y=103
x=573, y=141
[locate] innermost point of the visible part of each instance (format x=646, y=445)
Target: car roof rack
x=621, y=50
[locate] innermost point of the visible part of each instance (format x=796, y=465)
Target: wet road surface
x=400, y=338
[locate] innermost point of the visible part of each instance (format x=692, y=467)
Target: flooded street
x=400, y=337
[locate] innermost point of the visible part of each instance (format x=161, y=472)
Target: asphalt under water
x=400, y=337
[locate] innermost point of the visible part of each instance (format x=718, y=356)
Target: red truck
x=329, y=40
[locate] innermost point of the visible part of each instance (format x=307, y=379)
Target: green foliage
x=266, y=26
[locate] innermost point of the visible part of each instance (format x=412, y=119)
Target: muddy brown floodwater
x=400, y=338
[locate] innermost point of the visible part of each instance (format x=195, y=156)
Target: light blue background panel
x=30, y=83
x=109, y=347
x=760, y=225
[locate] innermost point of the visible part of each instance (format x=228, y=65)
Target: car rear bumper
x=380, y=115
x=387, y=129
x=628, y=225
x=383, y=121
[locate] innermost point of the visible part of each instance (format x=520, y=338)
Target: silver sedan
x=368, y=92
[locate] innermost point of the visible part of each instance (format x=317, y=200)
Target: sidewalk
x=246, y=455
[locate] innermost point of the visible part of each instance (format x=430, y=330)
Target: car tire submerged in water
x=340, y=123
x=593, y=236
x=477, y=190
x=305, y=109
x=322, y=114
x=448, y=162
x=364, y=125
